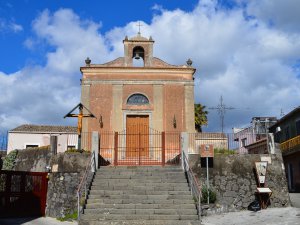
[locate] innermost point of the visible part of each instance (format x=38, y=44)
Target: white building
x=29, y=136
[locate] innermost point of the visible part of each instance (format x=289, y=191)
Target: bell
x=137, y=56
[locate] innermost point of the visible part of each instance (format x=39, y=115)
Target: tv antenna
x=221, y=109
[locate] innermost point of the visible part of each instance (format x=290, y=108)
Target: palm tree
x=200, y=117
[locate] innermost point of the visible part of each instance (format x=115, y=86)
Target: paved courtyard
x=270, y=216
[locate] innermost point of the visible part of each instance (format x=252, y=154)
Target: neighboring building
x=138, y=94
x=287, y=133
x=253, y=139
x=218, y=140
x=29, y=136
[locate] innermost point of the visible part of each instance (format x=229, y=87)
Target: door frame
x=138, y=113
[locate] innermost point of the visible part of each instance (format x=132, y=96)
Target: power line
x=221, y=109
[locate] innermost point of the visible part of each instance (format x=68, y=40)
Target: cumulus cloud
x=239, y=54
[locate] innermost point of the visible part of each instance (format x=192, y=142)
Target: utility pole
x=221, y=109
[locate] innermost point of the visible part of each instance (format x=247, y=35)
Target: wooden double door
x=137, y=136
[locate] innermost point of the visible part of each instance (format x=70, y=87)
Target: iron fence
x=139, y=148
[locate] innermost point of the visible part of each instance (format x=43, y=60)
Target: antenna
x=221, y=108
x=281, y=112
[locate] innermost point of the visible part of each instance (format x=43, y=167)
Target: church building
x=138, y=92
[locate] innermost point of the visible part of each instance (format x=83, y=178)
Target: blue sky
x=246, y=51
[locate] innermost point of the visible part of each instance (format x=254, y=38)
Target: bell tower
x=138, y=47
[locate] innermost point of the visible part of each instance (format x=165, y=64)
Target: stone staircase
x=140, y=195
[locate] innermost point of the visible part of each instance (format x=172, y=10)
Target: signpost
x=207, y=151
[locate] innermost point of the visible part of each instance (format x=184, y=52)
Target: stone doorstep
x=139, y=206
x=140, y=168
x=141, y=222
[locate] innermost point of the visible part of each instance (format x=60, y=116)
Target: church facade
x=128, y=98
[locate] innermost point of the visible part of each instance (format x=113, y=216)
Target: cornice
x=137, y=82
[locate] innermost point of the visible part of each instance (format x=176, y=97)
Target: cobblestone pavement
x=270, y=216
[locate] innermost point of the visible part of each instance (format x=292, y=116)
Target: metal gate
x=149, y=147
x=22, y=193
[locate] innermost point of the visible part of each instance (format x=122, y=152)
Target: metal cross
x=139, y=25
x=221, y=108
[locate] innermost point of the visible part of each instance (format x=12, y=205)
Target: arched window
x=137, y=99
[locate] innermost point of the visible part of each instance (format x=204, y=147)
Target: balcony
x=290, y=144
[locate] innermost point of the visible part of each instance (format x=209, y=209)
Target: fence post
x=53, y=145
x=95, y=147
x=116, y=149
x=184, y=147
x=163, y=148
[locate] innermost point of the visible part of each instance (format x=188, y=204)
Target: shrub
x=10, y=160
x=224, y=151
x=212, y=195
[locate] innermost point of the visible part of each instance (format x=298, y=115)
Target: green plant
x=10, y=160
x=68, y=217
x=224, y=151
x=212, y=195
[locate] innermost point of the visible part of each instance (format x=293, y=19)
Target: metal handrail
x=193, y=183
x=85, y=183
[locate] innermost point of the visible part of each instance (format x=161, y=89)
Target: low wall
x=233, y=179
x=61, y=195
x=34, y=160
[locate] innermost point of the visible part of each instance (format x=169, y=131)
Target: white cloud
x=9, y=26
x=280, y=14
x=247, y=61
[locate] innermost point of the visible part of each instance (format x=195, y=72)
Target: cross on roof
x=139, y=25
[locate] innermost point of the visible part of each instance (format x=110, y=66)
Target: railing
x=291, y=143
x=85, y=184
x=193, y=183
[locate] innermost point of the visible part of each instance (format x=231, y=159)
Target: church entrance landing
x=140, y=145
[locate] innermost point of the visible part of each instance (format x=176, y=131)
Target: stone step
x=142, y=211
x=140, y=176
x=138, y=192
x=139, y=206
x=124, y=217
x=141, y=182
x=137, y=172
x=140, y=168
x=140, y=201
x=141, y=222
x=140, y=197
x=158, y=187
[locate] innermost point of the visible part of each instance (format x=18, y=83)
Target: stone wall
x=34, y=160
x=234, y=181
x=61, y=195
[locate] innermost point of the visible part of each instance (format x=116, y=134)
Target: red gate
x=22, y=193
x=149, y=147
